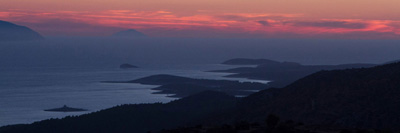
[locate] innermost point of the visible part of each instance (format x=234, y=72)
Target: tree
x=272, y=121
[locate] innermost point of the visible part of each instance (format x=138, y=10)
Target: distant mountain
x=280, y=73
x=351, y=98
x=13, y=32
x=129, y=33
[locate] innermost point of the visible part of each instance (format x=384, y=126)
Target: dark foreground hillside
x=136, y=118
x=352, y=98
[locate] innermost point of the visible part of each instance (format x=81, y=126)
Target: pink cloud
x=159, y=23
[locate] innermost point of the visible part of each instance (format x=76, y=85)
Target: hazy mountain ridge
x=280, y=73
x=13, y=32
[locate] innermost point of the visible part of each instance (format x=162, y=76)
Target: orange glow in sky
x=355, y=19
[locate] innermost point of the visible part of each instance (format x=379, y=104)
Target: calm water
x=25, y=92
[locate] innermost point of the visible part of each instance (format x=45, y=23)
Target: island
x=127, y=66
x=13, y=32
x=65, y=108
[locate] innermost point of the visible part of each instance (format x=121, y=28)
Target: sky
x=332, y=19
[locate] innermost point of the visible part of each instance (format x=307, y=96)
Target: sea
x=26, y=91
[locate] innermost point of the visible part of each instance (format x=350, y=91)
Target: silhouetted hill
x=355, y=98
x=283, y=73
x=183, y=86
x=138, y=118
x=13, y=32
x=129, y=33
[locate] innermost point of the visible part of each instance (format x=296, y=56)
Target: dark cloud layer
x=244, y=18
x=264, y=23
x=332, y=24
